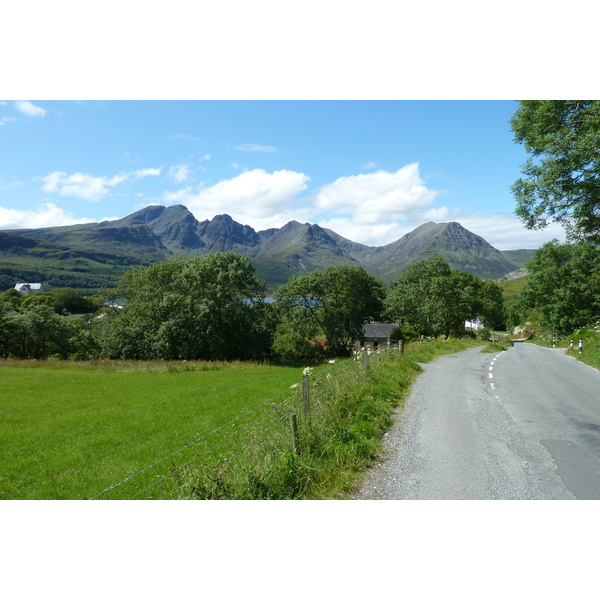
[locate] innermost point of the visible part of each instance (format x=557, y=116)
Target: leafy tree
x=37, y=300
x=11, y=299
x=405, y=333
x=6, y=332
x=208, y=307
x=420, y=297
x=38, y=332
x=295, y=337
x=563, y=286
x=335, y=302
x=562, y=175
x=492, y=309
x=69, y=300
x=435, y=301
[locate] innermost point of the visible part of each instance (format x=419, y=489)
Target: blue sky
x=370, y=170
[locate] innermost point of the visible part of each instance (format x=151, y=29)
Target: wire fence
x=255, y=441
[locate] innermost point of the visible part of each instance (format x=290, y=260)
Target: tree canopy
x=562, y=175
x=435, y=300
x=335, y=302
x=563, y=286
x=207, y=307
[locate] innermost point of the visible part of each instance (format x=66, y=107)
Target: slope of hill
x=463, y=250
x=86, y=267
x=157, y=233
x=518, y=257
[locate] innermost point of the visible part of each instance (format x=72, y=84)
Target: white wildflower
x=332, y=362
x=293, y=386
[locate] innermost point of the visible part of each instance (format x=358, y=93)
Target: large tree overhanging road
x=521, y=424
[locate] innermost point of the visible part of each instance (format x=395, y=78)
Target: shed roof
x=377, y=330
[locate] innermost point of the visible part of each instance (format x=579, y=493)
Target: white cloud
x=378, y=197
x=8, y=181
x=503, y=231
x=88, y=187
x=377, y=208
x=5, y=120
x=28, y=108
x=144, y=173
x=255, y=197
x=370, y=165
x=185, y=136
x=506, y=232
x=47, y=215
x=374, y=209
x=255, y=148
x=373, y=235
x=179, y=173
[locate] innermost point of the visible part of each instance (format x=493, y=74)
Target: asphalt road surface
x=521, y=424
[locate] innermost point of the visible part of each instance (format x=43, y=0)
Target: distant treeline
x=197, y=309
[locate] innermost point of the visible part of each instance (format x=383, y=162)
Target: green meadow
x=69, y=430
x=157, y=430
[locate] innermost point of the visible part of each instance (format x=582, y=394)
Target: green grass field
x=197, y=430
x=69, y=430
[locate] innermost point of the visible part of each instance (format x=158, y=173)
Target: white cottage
x=474, y=324
x=29, y=288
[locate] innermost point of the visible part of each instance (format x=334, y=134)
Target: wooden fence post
x=295, y=443
x=305, y=396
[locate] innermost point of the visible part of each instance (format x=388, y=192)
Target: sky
x=370, y=170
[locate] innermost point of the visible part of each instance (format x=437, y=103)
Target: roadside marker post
x=580, y=346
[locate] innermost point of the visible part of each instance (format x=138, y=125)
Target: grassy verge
x=351, y=407
x=590, y=351
x=589, y=336
x=499, y=346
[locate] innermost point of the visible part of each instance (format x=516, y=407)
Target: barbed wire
x=191, y=444
x=292, y=394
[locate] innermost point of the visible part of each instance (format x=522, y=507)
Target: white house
x=29, y=288
x=474, y=325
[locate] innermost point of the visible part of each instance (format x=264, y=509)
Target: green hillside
x=91, y=260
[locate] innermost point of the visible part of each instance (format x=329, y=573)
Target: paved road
x=521, y=424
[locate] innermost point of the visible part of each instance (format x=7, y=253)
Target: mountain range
x=94, y=255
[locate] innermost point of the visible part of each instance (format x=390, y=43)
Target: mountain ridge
x=157, y=233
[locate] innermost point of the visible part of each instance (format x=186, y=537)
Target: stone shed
x=377, y=334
